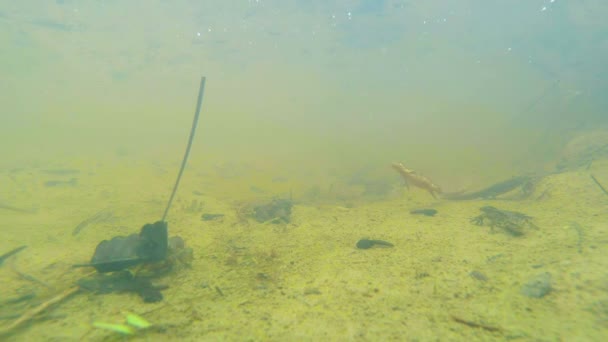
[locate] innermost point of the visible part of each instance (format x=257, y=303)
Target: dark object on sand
x=123, y=281
x=149, y=248
x=426, y=212
x=599, y=184
x=121, y=252
x=277, y=211
x=151, y=244
x=511, y=222
x=7, y=255
x=140, y=282
x=493, y=191
x=367, y=244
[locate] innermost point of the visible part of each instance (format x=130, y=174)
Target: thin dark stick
x=199, y=103
x=475, y=324
x=40, y=308
x=598, y=184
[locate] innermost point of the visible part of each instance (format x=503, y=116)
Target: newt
x=511, y=222
x=417, y=180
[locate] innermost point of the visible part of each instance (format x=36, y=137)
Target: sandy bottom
x=305, y=280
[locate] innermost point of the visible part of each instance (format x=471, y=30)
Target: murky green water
x=306, y=106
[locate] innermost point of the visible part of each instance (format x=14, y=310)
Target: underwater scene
x=306, y=170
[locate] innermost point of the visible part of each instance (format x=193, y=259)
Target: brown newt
x=417, y=180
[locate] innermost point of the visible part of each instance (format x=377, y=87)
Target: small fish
x=478, y=275
x=367, y=244
x=426, y=212
x=61, y=183
x=102, y=216
x=61, y=172
x=5, y=256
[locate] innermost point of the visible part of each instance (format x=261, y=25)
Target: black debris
x=123, y=281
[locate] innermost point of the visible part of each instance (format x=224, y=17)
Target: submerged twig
x=40, y=308
x=600, y=185
x=42, y=317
